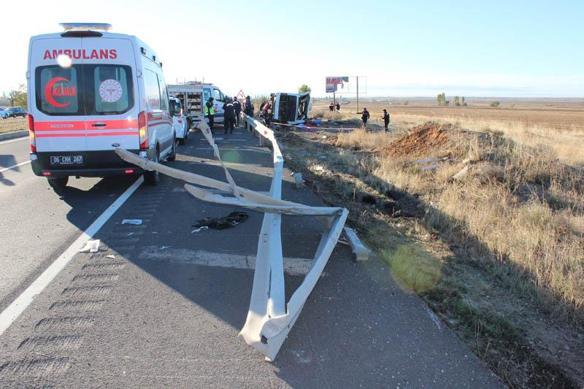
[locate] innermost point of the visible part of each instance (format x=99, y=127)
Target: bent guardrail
x=269, y=318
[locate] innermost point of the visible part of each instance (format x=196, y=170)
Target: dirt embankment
x=423, y=140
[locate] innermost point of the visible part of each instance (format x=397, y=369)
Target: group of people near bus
x=232, y=109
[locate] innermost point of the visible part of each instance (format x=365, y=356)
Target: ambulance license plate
x=65, y=160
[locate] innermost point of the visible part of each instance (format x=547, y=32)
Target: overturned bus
x=292, y=108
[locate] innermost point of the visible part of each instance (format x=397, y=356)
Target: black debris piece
x=221, y=223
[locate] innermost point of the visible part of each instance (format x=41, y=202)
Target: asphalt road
x=159, y=306
x=37, y=225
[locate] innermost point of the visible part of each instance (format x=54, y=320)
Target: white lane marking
x=14, y=140
x=15, y=309
x=292, y=266
x=14, y=166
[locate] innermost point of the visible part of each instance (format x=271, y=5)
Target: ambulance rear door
x=55, y=88
x=111, y=103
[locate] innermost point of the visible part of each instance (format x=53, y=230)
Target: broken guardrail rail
x=269, y=319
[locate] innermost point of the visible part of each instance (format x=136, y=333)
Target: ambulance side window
x=112, y=89
x=152, y=89
x=57, y=90
x=163, y=94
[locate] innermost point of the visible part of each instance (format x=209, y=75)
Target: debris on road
x=110, y=256
x=203, y=228
x=221, y=223
x=91, y=246
x=134, y=222
x=298, y=180
x=361, y=252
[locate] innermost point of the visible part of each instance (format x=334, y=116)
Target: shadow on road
x=357, y=328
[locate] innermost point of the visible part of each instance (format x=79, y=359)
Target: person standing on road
x=210, y=112
x=338, y=106
x=364, y=117
x=386, y=119
x=248, y=108
x=237, y=108
x=267, y=112
x=229, y=118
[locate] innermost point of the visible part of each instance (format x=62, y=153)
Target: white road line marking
x=15, y=309
x=292, y=266
x=14, y=140
x=14, y=166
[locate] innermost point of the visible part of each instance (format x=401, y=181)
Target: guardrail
x=269, y=318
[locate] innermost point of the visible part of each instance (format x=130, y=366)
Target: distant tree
x=441, y=98
x=406, y=102
x=18, y=97
x=463, y=101
x=304, y=89
x=457, y=101
x=495, y=104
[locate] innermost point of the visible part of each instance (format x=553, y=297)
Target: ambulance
x=91, y=91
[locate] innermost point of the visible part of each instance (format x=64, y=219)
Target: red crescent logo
x=49, y=92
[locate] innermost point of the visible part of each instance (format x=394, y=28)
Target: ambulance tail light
x=31, y=133
x=143, y=130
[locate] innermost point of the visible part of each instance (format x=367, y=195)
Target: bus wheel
x=58, y=183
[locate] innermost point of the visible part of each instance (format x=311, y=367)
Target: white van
x=193, y=96
x=90, y=91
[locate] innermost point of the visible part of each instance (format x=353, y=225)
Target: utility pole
x=357, y=93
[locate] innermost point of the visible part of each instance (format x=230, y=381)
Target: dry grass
x=498, y=253
x=522, y=205
x=13, y=124
x=560, y=129
x=564, y=144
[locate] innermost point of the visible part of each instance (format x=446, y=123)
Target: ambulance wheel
x=152, y=178
x=58, y=184
x=172, y=155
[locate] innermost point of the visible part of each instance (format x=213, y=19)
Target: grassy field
x=13, y=124
x=558, y=127
x=480, y=212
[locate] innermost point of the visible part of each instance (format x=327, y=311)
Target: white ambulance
x=90, y=91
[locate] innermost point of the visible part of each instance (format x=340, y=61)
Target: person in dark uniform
x=386, y=119
x=365, y=117
x=331, y=107
x=248, y=108
x=210, y=112
x=338, y=107
x=237, y=108
x=229, y=118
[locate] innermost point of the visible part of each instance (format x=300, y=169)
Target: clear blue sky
x=412, y=48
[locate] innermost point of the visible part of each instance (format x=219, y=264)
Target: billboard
x=332, y=83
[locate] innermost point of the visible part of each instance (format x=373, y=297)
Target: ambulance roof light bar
x=86, y=26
